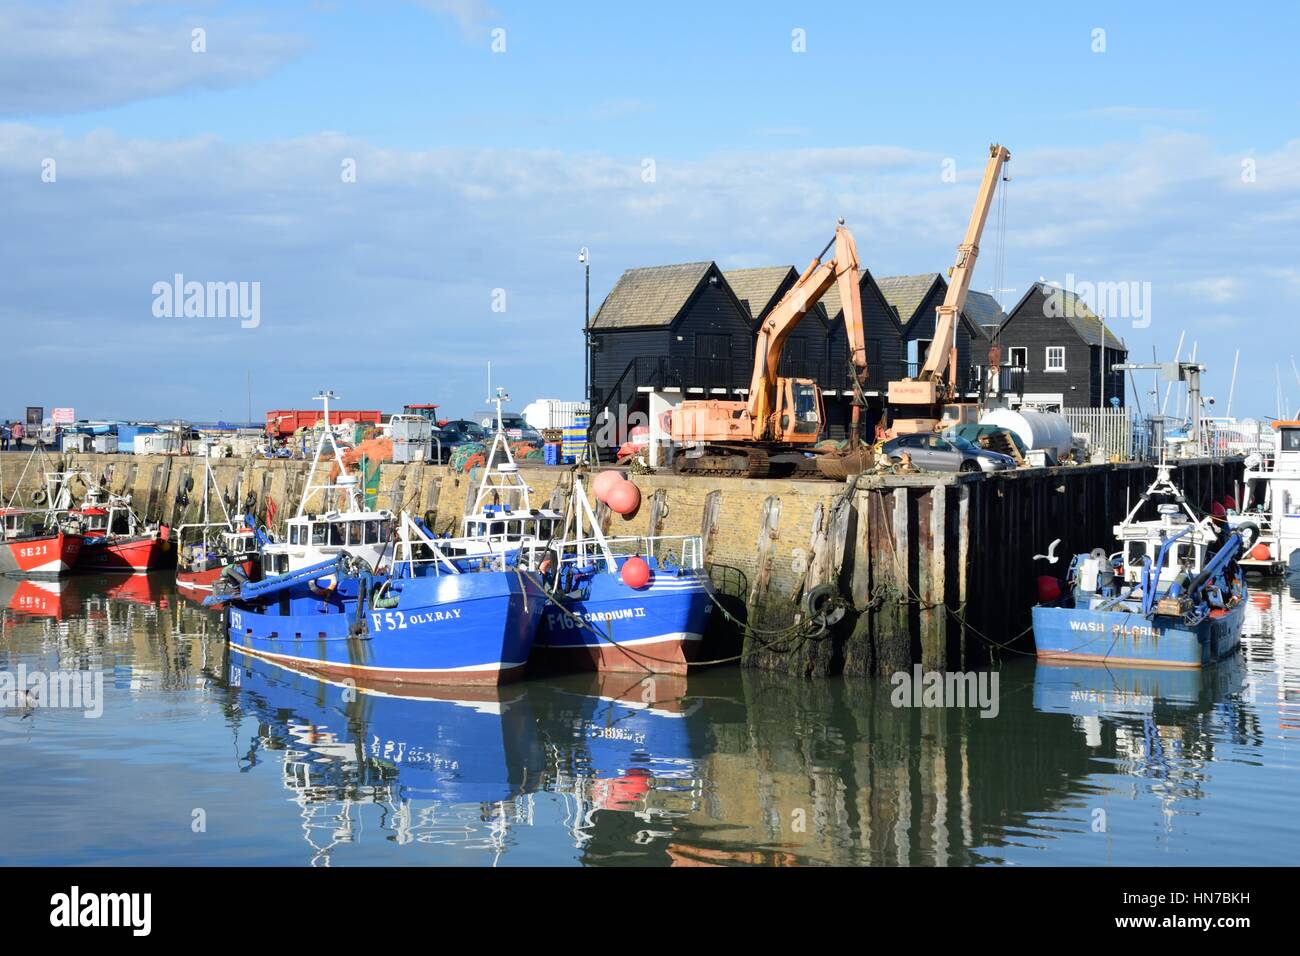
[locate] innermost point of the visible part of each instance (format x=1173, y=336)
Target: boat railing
x=680, y=551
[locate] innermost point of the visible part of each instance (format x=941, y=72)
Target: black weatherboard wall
x=1048, y=317
x=668, y=326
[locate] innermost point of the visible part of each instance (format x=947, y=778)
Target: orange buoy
x=624, y=499
x=604, y=482
x=635, y=572
x=1260, y=552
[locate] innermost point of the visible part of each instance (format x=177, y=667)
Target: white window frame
x=1047, y=358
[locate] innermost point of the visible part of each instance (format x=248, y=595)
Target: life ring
x=39, y=496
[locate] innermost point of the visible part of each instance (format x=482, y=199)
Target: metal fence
x=1106, y=430
x=1116, y=432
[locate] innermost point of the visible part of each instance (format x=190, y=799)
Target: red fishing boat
x=42, y=540
x=117, y=540
x=34, y=542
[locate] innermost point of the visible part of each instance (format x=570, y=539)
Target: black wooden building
x=676, y=327
x=1059, y=342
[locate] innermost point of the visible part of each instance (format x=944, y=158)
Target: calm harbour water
x=1080, y=766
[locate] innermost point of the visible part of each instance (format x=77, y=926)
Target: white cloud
x=393, y=275
x=64, y=57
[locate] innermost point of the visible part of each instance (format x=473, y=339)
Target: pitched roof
x=905, y=293
x=982, y=309
x=1064, y=304
x=650, y=296
x=757, y=288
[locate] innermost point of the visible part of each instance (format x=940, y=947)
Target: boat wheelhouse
x=1173, y=595
x=341, y=526
x=502, y=517
x=1270, y=498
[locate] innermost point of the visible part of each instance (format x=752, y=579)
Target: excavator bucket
x=841, y=464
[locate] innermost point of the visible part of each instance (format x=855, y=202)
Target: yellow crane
x=928, y=402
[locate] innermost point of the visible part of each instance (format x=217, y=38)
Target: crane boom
x=939, y=358
x=790, y=311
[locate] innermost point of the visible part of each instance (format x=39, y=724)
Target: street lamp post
x=585, y=260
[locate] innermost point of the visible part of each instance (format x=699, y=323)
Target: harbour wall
x=936, y=570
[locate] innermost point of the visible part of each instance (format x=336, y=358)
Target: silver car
x=946, y=453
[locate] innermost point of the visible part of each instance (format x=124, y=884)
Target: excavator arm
x=790, y=311
x=941, y=356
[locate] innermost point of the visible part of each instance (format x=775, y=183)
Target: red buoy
x=635, y=572
x=1230, y=502
x=1218, y=510
x=602, y=483
x=624, y=498
x=1049, y=589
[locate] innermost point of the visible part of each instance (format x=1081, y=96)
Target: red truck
x=283, y=422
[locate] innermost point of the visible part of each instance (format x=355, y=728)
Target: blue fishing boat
x=453, y=625
x=630, y=603
x=390, y=606
x=1173, y=596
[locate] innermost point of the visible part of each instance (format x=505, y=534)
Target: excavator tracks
x=724, y=462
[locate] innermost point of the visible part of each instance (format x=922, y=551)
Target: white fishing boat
x=1270, y=498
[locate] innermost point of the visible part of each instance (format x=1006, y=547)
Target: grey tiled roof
x=982, y=309
x=905, y=293
x=756, y=288
x=1071, y=308
x=649, y=296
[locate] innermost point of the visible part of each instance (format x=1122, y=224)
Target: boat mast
x=504, y=478
x=346, y=483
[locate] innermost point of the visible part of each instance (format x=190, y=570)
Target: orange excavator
x=769, y=434
x=928, y=403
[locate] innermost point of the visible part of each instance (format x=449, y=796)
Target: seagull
x=1050, y=557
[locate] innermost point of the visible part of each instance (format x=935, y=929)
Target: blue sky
x=481, y=173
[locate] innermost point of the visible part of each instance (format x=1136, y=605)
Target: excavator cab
x=800, y=414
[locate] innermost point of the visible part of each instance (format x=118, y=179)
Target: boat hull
x=199, y=583
x=461, y=629
x=45, y=556
x=612, y=627
x=1122, y=637
x=125, y=554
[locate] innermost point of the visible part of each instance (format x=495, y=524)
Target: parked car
x=460, y=432
x=946, y=453
x=516, y=428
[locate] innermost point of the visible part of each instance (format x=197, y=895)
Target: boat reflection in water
x=618, y=744
x=1161, y=718
x=463, y=766
x=450, y=763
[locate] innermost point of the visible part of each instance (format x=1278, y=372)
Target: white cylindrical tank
x=553, y=413
x=1046, y=430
